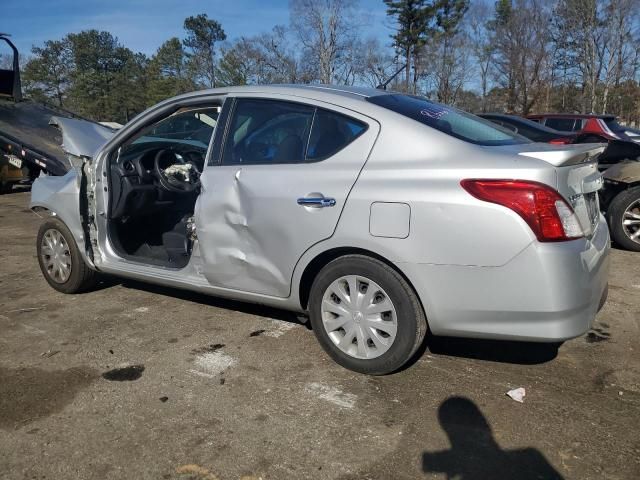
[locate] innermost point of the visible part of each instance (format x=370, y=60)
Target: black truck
x=29, y=145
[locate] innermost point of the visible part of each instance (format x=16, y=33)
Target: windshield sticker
x=433, y=111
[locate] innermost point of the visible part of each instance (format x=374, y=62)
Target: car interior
x=154, y=177
x=154, y=180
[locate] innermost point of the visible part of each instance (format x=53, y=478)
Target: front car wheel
x=60, y=260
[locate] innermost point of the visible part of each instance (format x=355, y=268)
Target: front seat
x=289, y=150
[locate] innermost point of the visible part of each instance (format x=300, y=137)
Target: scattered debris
x=212, y=364
x=278, y=328
x=517, y=394
x=163, y=399
x=214, y=347
x=597, y=335
x=125, y=374
x=49, y=353
x=332, y=394
x=197, y=472
x=23, y=310
x=257, y=333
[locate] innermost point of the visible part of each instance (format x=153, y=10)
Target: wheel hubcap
x=631, y=221
x=359, y=317
x=56, y=256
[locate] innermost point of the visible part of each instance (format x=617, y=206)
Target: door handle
x=317, y=202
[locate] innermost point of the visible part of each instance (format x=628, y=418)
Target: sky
x=142, y=25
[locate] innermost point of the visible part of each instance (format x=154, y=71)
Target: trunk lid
x=578, y=178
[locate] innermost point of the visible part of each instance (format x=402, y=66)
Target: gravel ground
x=134, y=381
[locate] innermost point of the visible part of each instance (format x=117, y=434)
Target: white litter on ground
x=332, y=394
x=517, y=394
x=141, y=309
x=212, y=364
x=278, y=328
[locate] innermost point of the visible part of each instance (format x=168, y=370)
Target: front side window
x=276, y=132
x=451, y=121
x=188, y=126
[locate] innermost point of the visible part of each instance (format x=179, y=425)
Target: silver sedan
x=382, y=215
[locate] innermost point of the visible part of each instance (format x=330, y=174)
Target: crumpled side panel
x=233, y=249
x=60, y=195
x=81, y=137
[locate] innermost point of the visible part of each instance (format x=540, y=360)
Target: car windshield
x=189, y=126
x=451, y=121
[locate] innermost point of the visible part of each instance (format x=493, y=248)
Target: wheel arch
x=313, y=267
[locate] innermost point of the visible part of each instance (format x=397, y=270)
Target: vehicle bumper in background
x=549, y=292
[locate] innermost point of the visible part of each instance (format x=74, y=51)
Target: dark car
x=590, y=128
x=529, y=129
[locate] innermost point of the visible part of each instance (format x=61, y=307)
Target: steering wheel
x=163, y=160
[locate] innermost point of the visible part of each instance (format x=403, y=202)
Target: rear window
x=449, y=120
x=563, y=124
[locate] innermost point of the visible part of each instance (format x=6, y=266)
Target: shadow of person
x=475, y=455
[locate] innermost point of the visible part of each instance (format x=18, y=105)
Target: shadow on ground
x=475, y=454
x=503, y=351
x=203, y=299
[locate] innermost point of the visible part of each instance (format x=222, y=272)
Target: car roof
x=569, y=115
x=311, y=90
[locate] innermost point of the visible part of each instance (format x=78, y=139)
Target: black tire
x=81, y=278
x=5, y=187
x=411, y=320
x=615, y=216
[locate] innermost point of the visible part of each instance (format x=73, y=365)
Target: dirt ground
x=212, y=389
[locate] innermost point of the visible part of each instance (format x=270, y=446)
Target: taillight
x=560, y=141
x=544, y=210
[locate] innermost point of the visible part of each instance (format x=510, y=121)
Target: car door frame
x=96, y=191
x=215, y=159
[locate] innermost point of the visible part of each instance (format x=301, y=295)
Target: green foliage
x=168, y=72
x=47, y=75
x=202, y=35
x=529, y=55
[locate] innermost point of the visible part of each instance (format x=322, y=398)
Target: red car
x=589, y=127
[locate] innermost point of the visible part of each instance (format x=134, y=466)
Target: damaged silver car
x=375, y=212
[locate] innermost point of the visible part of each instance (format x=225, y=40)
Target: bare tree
x=479, y=41
x=326, y=29
x=521, y=37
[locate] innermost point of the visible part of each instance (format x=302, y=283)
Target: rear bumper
x=549, y=292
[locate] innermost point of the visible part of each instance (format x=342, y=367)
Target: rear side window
x=276, y=132
x=451, y=121
x=562, y=124
x=331, y=132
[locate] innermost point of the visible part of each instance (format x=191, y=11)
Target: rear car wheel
x=624, y=219
x=365, y=315
x=60, y=261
